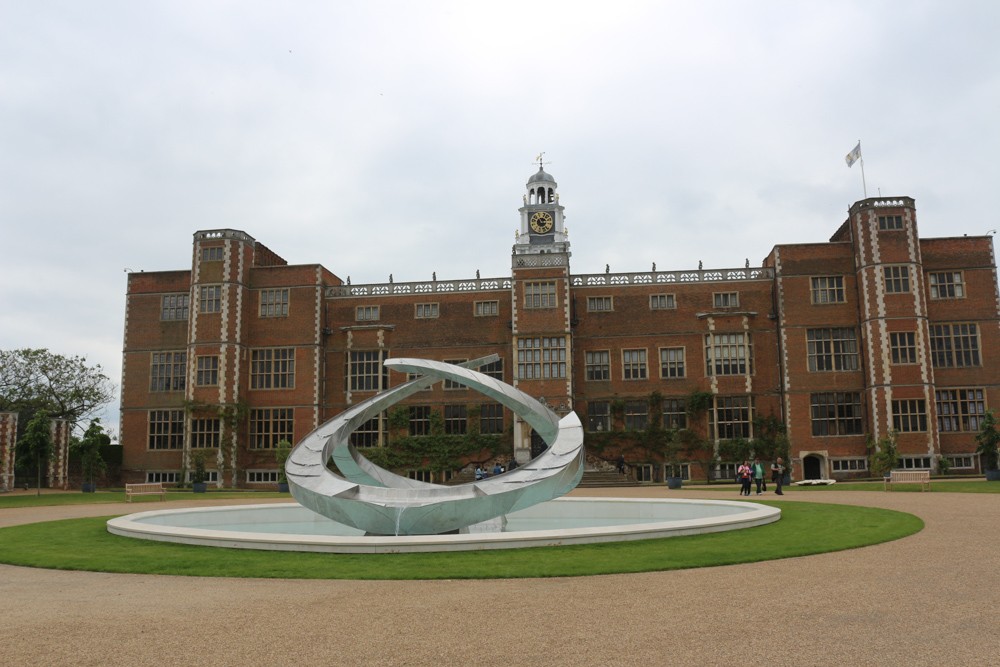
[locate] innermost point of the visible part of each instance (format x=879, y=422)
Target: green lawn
x=937, y=486
x=119, y=497
x=805, y=528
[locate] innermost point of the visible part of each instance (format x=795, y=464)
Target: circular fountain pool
x=291, y=527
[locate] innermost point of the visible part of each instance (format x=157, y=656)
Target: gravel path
x=926, y=599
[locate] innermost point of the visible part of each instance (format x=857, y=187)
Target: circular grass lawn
x=804, y=528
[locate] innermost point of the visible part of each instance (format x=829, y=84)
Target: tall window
x=451, y=384
x=456, y=420
x=166, y=429
x=661, y=301
x=726, y=299
x=541, y=358
x=836, y=414
x=269, y=426
x=373, y=433
x=897, y=279
x=960, y=409
x=491, y=418
x=948, y=285
x=890, y=222
x=487, y=308
x=731, y=417
x=634, y=364
x=598, y=303
x=365, y=371
x=671, y=362
x=425, y=310
x=954, y=345
x=174, y=307
x=211, y=299
x=598, y=416
x=832, y=350
x=674, y=413
x=272, y=368
x=366, y=314
x=167, y=371
x=598, y=365
x=208, y=372
x=637, y=415
x=494, y=370
x=909, y=415
x=903, y=347
x=420, y=420
x=728, y=354
x=828, y=289
x=204, y=433
x=211, y=254
x=274, y=303
x=540, y=295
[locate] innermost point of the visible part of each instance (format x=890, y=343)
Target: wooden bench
x=922, y=477
x=151, y=489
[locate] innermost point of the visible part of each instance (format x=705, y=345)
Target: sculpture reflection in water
x=379, y=502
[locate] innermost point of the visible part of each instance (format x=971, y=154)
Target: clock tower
x=542, y=230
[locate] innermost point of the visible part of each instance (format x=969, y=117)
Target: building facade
x=873, y=331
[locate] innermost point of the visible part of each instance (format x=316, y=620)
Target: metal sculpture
x=383, y=503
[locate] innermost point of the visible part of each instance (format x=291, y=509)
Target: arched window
x=531, y=196
x=551, y=196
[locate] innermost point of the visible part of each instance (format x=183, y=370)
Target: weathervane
x=538, y=161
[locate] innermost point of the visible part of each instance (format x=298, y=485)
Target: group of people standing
x=498, y=469
x=749, y=473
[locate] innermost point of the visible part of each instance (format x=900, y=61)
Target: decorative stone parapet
x=428, y=287
x=216, y=234
x=8, y=438
x=669, y=277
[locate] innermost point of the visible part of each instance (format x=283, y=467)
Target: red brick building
x=875, y=330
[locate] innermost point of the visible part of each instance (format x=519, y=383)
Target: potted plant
x=281, y=453
x=988, y=440
x=198, y=474
x=89, y=450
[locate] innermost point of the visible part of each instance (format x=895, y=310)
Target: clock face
x=541, y=222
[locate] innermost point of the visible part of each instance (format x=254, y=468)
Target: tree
x=883, y=456
x=988, y=440
x=64, y=387
x=89, y=449
x=36, y=444
x=281, y=454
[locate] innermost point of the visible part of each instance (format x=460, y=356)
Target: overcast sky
x=381, y=137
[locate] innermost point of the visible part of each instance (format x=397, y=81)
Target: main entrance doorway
x=812, y=467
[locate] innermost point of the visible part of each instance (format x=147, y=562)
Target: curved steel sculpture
x=382, y=503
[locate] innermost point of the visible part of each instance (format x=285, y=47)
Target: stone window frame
x=897, y=278
x=946, y=281
x=722, y=366
x=263, y=476
x=598, y=415
x=372, y=433
x=367, y=314
x=720, y=428
x=636, y=416
x=667, y=364
x=915, y=463
x=493, y=369
x=822, y=288
x=212, y=254
x=167, y=428
x=426, y=311
x=600, y=304
x=725, y=299
x=491, y=418
x=486, y=309
x=273, y=303
x=272, y=368
x=543, y=359
x=674, y=413
x=958, y=412
x=635, y=364
x=536, y=297
x=890, y=223
x=854, y=464
x=945, y=346
x=420, y=475
x=358, y=366
x=162, y=476
x=903, y=348
x=827, y=347
x=211, y=476
x=172, y=370
x=909, y=415
x=452, y=385
x=210, y=299
x=175, y=307
x=456, y=420
x=205, y=433
x=269, y=426
x=597, y=363
x=840, y=412
x=961, y=460
x=683, y=468
x=207, y=370
x=419, y=422
x=668, y=301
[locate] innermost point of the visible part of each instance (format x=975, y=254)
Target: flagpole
x=861, y=155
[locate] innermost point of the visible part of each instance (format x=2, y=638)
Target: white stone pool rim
x=750, y=515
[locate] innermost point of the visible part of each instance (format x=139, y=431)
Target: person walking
x=621, y=464
x=743, y=473
x=778, y=474
x=758, y=474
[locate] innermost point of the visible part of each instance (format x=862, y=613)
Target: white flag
x=854, y=155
